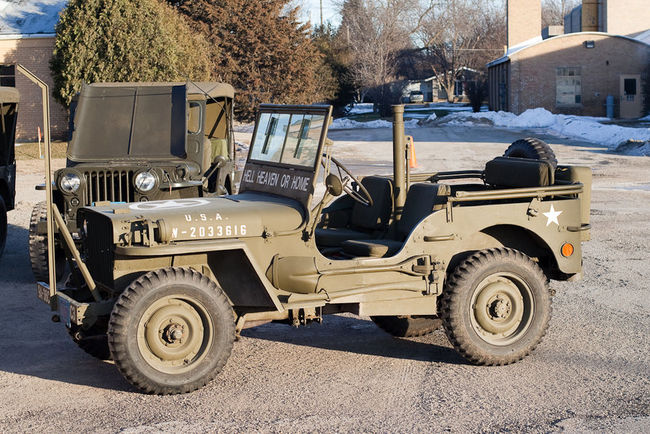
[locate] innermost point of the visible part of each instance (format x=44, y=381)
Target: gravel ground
x=590, y=373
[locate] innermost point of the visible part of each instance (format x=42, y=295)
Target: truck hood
x=237, y=216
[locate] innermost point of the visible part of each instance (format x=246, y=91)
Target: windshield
x=284, y=138
x=114, y=122
x=285, y=150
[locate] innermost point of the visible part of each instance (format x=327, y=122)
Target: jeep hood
x=237, y=216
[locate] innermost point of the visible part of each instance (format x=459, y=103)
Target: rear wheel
x=532, y=148
x=407, y=326
x=171, y=331
x=496, y=307
x=38, y=247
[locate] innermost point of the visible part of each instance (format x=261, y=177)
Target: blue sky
x=312, y=11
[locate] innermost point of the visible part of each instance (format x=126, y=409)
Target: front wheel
x=496, y=307
x=171, y=331
x=38, y=247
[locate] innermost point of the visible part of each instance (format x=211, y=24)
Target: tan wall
x=626, y=17
x=524, y=20
x=590, y=15
x=532, y=81
x=34, y=54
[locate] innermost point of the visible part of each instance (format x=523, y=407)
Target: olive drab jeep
x=164, y=287
x=138, y=142
x=9, y=98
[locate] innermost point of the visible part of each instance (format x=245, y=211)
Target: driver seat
x=365, y=221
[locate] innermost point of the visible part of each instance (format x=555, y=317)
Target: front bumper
x=71, y=311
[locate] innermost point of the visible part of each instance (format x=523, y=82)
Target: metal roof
x=211, y=88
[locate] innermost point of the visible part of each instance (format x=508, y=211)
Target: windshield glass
x=285, y=138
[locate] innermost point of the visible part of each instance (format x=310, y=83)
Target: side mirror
x=219, y=161
x=334, y=185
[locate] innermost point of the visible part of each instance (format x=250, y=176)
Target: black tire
x=496, y=307
x=532, y=148
x=3, y=225
x=95, y=345
x=407, y=326
x=38, y=247
x=153, y=316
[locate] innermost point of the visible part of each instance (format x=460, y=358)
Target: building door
x=630, y=96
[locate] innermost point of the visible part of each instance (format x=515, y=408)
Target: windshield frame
x=315, y=110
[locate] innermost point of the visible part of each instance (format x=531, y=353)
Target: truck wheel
x=496, y=307
x=171, y=331
x=38, y=247
x=3, y=225
x=407, y=326
x=532, y=148
x=96, y=345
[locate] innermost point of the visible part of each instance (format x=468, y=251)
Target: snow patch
x=346, y=124
x=578, y=127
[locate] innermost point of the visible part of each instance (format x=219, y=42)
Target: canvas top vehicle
x=169, y=284
x=137, y=142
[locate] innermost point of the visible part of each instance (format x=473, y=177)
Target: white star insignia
x=552, y=216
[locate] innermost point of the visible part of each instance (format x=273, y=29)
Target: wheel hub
x=173, y=333
x=499, y=308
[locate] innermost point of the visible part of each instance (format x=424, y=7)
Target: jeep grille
x=109, y=185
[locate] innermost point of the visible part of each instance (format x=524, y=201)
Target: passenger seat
x=421, y=200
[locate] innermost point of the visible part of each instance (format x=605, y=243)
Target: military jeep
x=9, y=98
x=138, y=142
x=168, y=285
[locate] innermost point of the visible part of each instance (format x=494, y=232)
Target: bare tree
x=377, y=32
x=461, y=34
x=554, y=11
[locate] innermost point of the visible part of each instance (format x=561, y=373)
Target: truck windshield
x=115, y=122
x=291, y=139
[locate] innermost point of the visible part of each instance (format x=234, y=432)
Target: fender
x=451, y=233
x=232, y=265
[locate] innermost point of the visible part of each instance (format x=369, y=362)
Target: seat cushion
x=518, y=172
x=421, y=200
x=372, y=248
x=332, y=237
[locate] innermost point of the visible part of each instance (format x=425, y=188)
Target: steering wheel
x=349, y=181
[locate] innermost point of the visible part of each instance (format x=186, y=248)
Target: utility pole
x=321, y=14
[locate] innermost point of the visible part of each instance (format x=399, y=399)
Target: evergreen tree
x=337, y=58
x=262, y=49
x=124, y=40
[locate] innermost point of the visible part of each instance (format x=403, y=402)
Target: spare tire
x=532, y=148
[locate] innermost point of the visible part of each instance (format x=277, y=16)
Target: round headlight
x=145, y=181
x=70, y=182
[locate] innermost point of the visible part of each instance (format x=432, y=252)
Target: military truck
x=138, y=142
x=9, y=98
x=168, y=285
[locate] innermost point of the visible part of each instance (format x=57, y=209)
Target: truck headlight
x=145, y=181
x=69, y=182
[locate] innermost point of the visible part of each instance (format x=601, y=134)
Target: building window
x=8, y=75
x=568, y=89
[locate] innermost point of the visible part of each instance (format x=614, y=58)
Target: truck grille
x=109, y=185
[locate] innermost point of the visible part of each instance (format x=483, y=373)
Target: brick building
x=34, y=53
x=573, y=73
